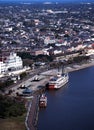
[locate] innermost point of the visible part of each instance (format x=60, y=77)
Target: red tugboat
x=43, y=101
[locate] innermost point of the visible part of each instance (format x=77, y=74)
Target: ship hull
x=42, y=104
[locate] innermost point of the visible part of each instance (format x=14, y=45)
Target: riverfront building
x=11, y=62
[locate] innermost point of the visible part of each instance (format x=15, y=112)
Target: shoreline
x=32, y=123
x=67, y=69
x=78, y=67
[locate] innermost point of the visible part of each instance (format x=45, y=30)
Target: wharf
x=30, y=84
x=33, y=111
x=44, y=78
x=79, y=67
x=36, y=86
x=32, y=114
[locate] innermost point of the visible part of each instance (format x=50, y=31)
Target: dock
x=38, y=87
x=32, y=114
x=33, y=111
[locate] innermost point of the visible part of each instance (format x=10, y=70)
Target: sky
x=47, y=0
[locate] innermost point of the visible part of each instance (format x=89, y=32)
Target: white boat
x=58, y=81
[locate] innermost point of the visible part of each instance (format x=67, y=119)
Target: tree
x=11, y=107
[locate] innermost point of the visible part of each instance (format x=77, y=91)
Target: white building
x=57, y=52
x=12, y=62
x=2, y=67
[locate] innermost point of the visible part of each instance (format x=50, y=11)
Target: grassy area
x=13, y=123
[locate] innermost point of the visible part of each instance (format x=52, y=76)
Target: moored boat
x=58, y=81
x=43, y=101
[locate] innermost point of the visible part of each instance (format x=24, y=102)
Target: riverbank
x=75, y=101
x=33, y=111
x=32, y=116
x=68, y=68
x=75, y=67
x=32, y=123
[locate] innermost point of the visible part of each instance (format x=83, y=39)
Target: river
x=72, y=106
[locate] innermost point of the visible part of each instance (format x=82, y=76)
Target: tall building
x=12, y=62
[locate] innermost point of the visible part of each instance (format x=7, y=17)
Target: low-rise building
x=37, y=52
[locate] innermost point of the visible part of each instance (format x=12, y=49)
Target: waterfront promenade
x=33, y=110
x=76, y=67
x=32, y=114
x=32, y=117
x=68, y=68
